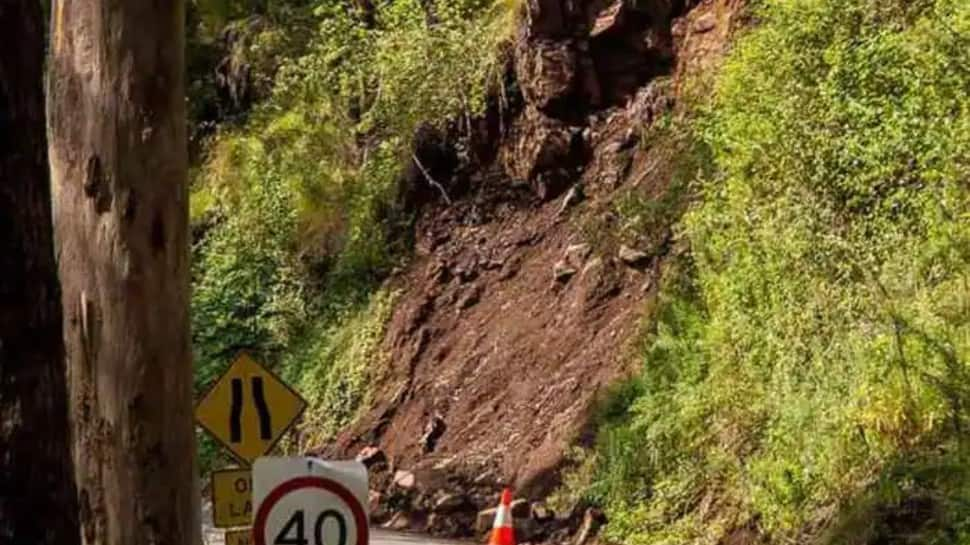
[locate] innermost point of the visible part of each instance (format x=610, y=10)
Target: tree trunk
x=118, y=161
x=37, y=495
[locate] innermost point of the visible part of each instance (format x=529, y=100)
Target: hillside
x=526, y=293
x=696, y=269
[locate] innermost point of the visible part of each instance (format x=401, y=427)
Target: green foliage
x=296, y=211
x=810, y=360
x=641, y=215
x=337, y=365
x=337, y=129
x=249, y=287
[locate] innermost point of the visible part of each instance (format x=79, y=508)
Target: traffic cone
x=503, y=532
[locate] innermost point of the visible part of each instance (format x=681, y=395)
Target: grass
x=807, y=373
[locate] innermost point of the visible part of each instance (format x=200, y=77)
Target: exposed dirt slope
x=510, y=321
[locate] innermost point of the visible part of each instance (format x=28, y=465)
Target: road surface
x=384, y=537
x=377, y=537
x=214, y=536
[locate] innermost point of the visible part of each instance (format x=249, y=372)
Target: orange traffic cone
x=503, y=533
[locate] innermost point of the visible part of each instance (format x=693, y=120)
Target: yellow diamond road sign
x=249, y=409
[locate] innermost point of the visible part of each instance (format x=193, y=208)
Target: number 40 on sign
x=306, y=501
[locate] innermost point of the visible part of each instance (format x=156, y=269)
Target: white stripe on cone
x=503, y=517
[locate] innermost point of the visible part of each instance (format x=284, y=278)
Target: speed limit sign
x=306, y=501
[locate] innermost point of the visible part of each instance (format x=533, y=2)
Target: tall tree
x=37, y=494
x=116, y=125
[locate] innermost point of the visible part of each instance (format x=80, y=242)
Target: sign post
x=309, y=501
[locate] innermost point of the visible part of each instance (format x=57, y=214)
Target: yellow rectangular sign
x=249, y=409
x=232, y=498
x=240, y=537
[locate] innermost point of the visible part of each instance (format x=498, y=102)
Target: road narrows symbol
x=235, y=413
x=262, y=409
x=265, y=429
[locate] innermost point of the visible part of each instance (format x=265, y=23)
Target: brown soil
x=512, y=375
x=495, y=364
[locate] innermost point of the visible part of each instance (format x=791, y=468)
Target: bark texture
x=118, y=161
x=37, y=495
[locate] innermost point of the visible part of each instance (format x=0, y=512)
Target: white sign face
x=307, y=501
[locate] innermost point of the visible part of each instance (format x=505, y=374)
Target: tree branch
x=431, y=180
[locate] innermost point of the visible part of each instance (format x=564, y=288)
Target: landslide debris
x=511, y=321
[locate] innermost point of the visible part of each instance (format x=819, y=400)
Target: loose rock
x=404, y=479
x=647, y=284
x=400, y=521
x=541, y=512
x=470, y=298
x=371, y=456
x=433, y=431
x=592, y=265
x=449, y=502
x=705, y=23
x=632, y=256
x=437, y=272
x=573, y=197
x=576, y=254
x=520, y=508
x=378, y=513
x=609, y=19
x=484, y=520
x=562, y=271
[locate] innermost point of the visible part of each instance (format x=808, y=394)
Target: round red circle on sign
x=300, y=483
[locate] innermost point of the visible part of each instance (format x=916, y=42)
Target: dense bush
x=296, y=211
x=809, y=368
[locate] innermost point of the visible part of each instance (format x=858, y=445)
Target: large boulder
x=546, y=72
x=543, y=151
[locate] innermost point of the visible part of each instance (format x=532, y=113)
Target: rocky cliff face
x=513, y=318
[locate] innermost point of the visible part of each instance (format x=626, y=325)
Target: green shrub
x=813, y=357
x=338, y=364
x=296, y=211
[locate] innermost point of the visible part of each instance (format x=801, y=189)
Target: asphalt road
x=215, y=536
x=384, y=537
x=377, y=537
